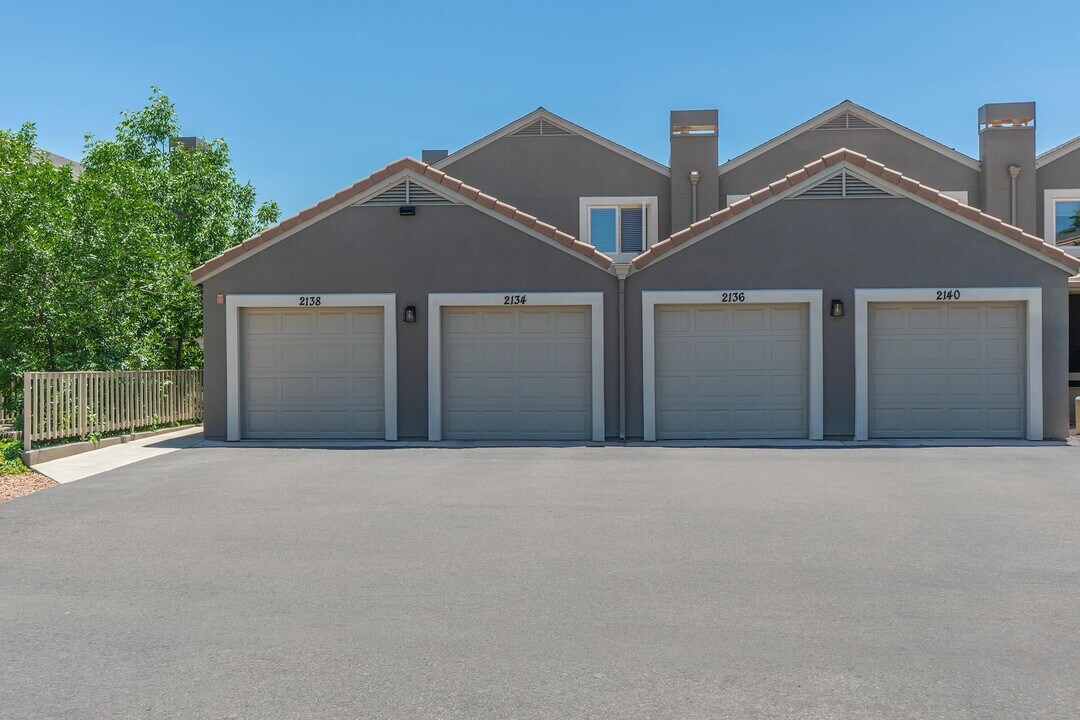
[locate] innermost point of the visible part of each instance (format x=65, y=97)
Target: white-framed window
x=1061, y=218
x=618, y=226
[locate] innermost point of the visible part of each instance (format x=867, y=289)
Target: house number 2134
x=514, y=299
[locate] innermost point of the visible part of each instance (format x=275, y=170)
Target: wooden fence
x=59, y=405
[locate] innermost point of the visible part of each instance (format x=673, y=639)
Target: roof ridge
x=426, y=171
x=893, y=177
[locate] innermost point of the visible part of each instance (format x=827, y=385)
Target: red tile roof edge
x=873, y=167
x=428, y=172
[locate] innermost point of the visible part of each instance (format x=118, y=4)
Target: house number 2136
x=514, y=299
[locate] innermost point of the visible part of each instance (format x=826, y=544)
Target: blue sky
x=314, y=96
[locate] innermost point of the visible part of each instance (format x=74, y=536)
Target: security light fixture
x=837, y=308
x=410, y=313
x=407, y=210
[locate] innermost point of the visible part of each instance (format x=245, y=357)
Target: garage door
x=516, y=373
x=731, y=371
x=946, y=370
x=312, y=373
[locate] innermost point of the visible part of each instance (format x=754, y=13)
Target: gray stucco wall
x=1062, y=174
x=545, y=176
x=839, y=245
x=374, y=250
x=914, y=160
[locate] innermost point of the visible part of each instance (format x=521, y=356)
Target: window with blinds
x=617, y=229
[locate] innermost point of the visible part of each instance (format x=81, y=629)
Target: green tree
x=93, y=273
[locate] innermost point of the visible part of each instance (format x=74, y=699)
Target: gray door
x=516, y=373
x=732, y=371
x=946, y=370
x=311, y=373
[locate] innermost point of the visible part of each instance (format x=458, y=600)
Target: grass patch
x=10, y=461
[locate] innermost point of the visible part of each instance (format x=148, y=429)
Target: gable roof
x=877, y=174
x=380, y=180
x=1057, y=152
x=547, y=115
x=839, y=110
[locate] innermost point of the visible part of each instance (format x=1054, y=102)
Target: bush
x=10, y=457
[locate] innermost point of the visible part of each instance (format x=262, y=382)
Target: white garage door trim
x=437, y=301
x=1031, y=296
x=233, y=303
x=651, y=298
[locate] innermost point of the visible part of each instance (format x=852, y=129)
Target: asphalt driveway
x=548, y=583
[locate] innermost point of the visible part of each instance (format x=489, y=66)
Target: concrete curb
x=55, y=452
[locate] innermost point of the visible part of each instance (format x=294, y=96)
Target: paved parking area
x=549, y=583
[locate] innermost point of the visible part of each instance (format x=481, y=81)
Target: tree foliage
x=93, y=273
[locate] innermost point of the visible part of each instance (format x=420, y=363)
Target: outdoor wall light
x=837, y=308
x=407, y=210
x=410, y=313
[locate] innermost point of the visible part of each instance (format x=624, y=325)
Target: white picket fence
x=59, y=405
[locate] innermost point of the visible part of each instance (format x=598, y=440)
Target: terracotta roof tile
x=419, y=168
x=819, y=166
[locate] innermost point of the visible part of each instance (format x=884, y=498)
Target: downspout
x=694, y=177
x=621, y=271
x=1014, y=172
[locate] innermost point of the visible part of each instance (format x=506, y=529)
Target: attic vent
x=847, y=121
x=540, y=127
x=844, y=185
x=408, y=192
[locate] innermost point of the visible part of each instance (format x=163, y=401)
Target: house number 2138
x=310, y=300
x=514, y=299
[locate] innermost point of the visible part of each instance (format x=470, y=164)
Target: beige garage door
x=311, y=373
x=516, y=373
x=732, y=371
x=946, y=370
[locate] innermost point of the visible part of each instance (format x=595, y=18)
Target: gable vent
x=540, y=127
x=844, y=185
x=847, y=121
x=408, y=192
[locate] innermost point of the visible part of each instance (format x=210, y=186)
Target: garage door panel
x=963, y=379
x=516, y=373
x=749, y=319
x=787, y=353
x=312, y=373
x=731, y=372
x=296, y=323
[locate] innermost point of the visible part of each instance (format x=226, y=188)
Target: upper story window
x=1061, y=219
x=618, y=226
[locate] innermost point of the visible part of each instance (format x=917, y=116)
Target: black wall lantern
x=837, y=308
x=410, y=313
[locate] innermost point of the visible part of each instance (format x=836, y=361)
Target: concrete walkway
x=77, y=467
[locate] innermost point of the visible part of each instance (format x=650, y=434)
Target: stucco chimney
x=1007, y=153
x=694, y=179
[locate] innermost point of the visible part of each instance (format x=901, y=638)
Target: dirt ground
x=14, y=486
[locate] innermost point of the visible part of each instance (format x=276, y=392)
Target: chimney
x=695, y=185
x=433, y=156
x=1007, y=153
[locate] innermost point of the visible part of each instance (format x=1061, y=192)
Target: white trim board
x=812, y=298
x=1050, y=197
x=358, y=200
x=1030, y=295
x=848, y=106
x=437, y=301
x=874, y=180
x=535, y=115
x=233, y=303
x=1057, y=152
